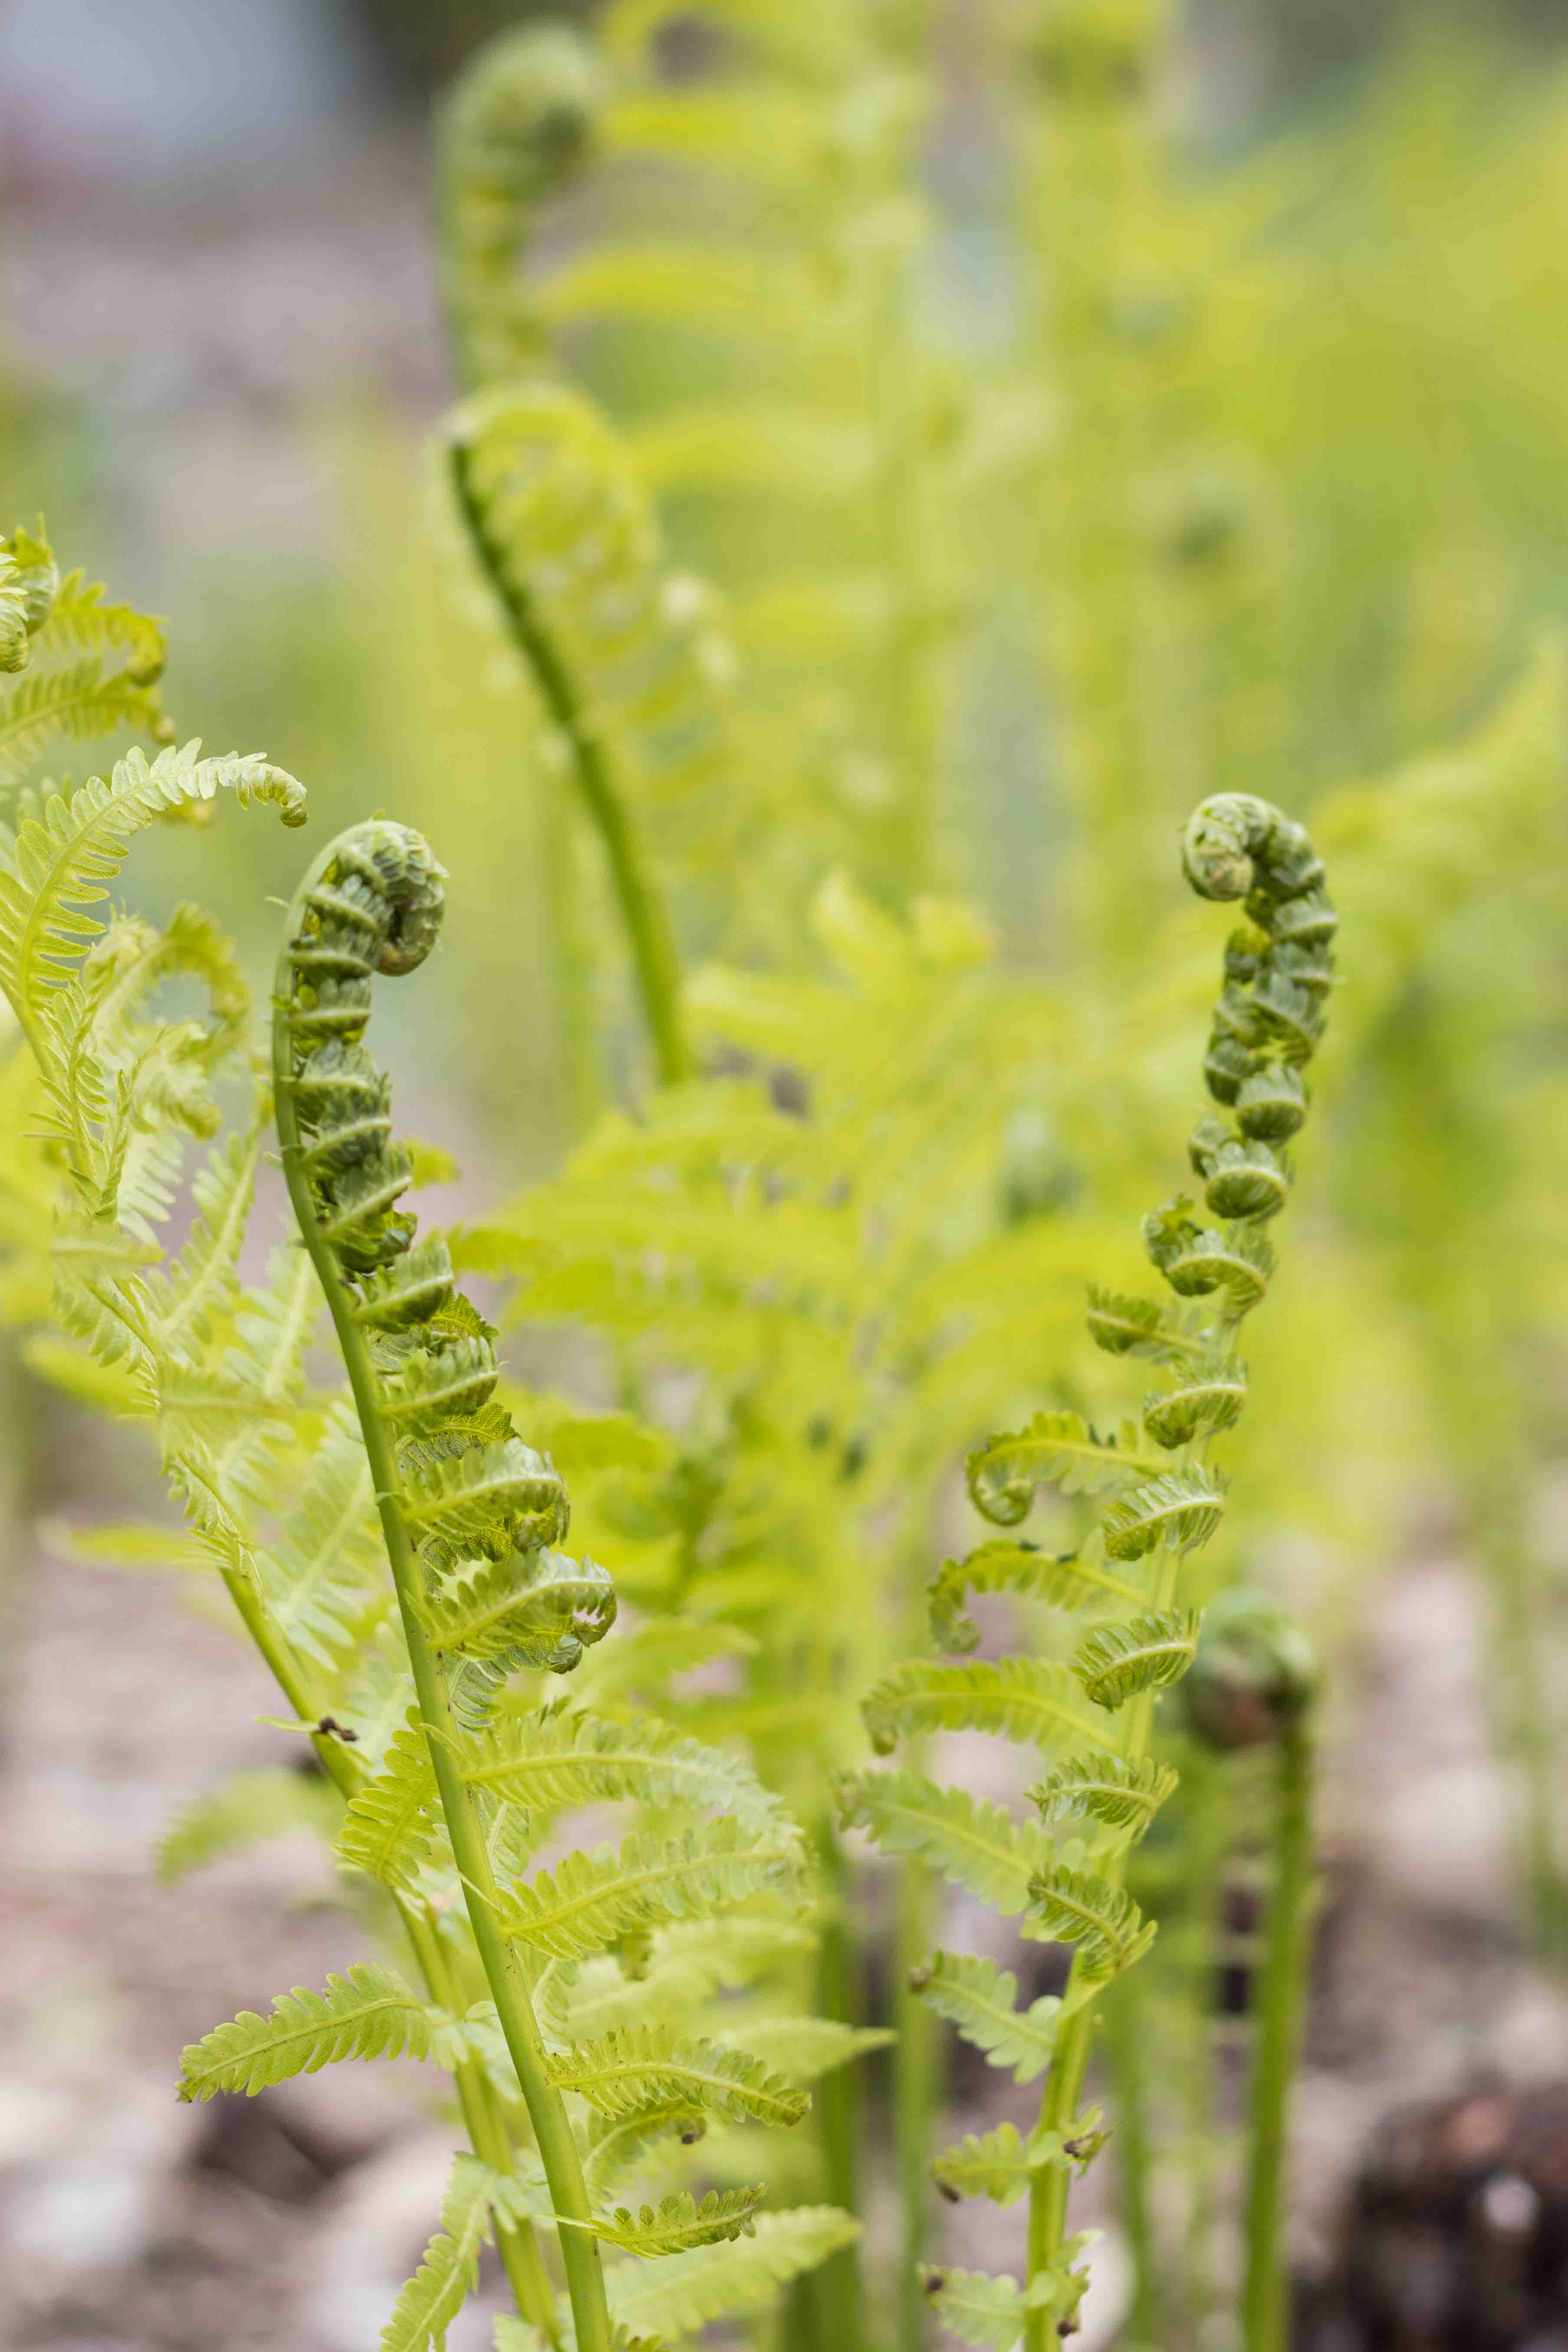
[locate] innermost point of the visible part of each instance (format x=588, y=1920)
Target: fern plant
x=286, y=1488
x=1165, y=1501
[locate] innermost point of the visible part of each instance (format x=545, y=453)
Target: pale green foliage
x=980, y=1998
x=368, y=2013
x=653, y=2065
x=680, y=2222
x=728, y=2281
x=448, y=2269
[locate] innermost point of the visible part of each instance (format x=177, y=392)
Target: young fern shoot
x=1091, y=1719
x=470, y=1517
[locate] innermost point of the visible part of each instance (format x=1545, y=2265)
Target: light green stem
x=1069, y=2060
x=482, y=2119
x=643, y=910
x=914, y=2092
x=1279, y=2011
x=514, y=2011
x=1126, y=2029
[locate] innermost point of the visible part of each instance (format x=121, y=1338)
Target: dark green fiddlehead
x=1162, y=1501
x=467, y=1511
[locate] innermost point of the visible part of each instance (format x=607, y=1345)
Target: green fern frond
x=990, y=2313
x=80, y=622
x=368, y=2013
x=63, y=859
x=615, y=2147
x=317, y=1578
x=1150, y=1653
x=1029, y=1699
x=1074, y=1906
x=656, y=2066
x=537, y=1607
x=488, y=1497
x=996, y=2164
x=803, y=2049
x=1055, y=1449
x=979, y=1999
x=449, y=2268
x=78, y=704
x=974, y=1844
x=1106, y=1788
x=203, y=1281
x=1182, y=1509
x=548, y=1760
x=680, y=2223
x=591, y=1900
x=386, y=1829
x=1009, y=1564
x=733, y=2281
x=1206, y=1398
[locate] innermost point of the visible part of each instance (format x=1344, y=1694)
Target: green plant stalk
x=1201, y=2156
x=1280, y=2003
x=914, y=2092
x=1125, y=2029
x=1069, y=2060
x=482, y=2119
x=643, y=910
x=514, y=2011
x=573, y=966
x=836, y=2295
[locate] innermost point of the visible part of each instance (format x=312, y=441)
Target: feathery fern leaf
x=1074, y=1906
x=1106, y=1788
x=680, y=2223
x=653, y=2065
x=387, y=1828
x=548, y=1760
x=996, y=2164
x=979, y=1999
x=1009, y=1564
x=1182, y=1509
x=731, y=2281
x=976, y=1843
x=449, y=2268
x=1032, y=1700
x=1148, y=1654
x=368, y=2013
x=591, y=1900
x=1055, y=1449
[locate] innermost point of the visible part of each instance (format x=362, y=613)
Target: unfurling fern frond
x=1107, y=1788
x=1056, y=1449
x=976, y=1843
x=1151, y=1652
x=515, y=129
x=1072, y=1580
x=368, y=2013
x=1155, y=1509
x=1025, y=1699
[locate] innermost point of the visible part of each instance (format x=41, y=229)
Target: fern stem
x=1126, y=2027
x=835, y=2287
x=514, y=2011
x=1264, y=2300
x=914, y=2092
x=1069, y=2060
x=485, y=2124
x=643, y=910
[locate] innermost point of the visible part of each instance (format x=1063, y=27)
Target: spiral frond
x=514, y=131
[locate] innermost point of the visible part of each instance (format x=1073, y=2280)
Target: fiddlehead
x=1160, y=1500
x=470, y=1517
x=516, y=128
